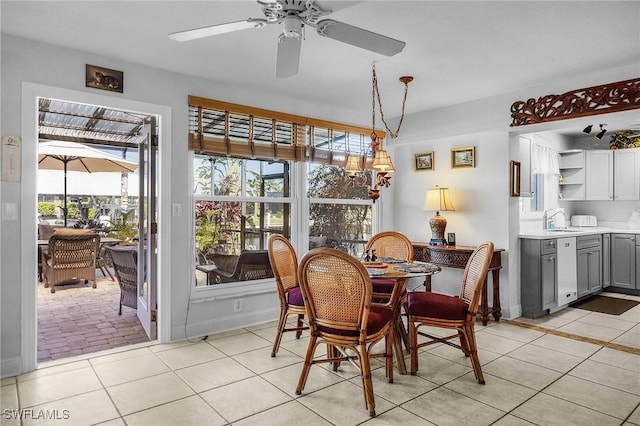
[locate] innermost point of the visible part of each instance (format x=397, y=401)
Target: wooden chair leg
x=389, y=341
x=299, y=324
x=470, y=337
x=308, y=360
x=282, y=322
x=365, y=371
x=413, y=345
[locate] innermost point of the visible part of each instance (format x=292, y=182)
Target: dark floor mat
x=605, y=304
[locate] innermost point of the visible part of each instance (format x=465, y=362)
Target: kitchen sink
x=565, y=230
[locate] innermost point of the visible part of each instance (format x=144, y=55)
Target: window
x=249, y=183
x=238, y=204
x=340, y=211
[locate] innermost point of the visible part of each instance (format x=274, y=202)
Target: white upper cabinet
x=599, y=176
x=626, y=177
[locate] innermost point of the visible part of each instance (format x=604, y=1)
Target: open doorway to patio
x=97, y=173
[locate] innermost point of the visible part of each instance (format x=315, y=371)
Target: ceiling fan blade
x=217, y=29
x=288, y=56
x=359, y=37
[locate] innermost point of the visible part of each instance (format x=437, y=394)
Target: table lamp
x=438, y=199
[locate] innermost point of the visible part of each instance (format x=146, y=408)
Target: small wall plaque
x=104, y=78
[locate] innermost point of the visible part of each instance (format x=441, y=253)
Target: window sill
x=233, y=290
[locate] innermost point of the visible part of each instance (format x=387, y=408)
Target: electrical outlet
x=237, y=305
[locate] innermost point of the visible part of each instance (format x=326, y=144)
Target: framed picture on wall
x=463, y=157
x=514, y=178
x=104, y=78
x=424, y=161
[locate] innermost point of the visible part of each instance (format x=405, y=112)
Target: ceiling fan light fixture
x=292, y=26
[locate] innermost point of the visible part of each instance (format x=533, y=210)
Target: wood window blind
x=223, y=128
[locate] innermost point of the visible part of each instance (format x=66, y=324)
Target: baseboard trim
x=10, y=367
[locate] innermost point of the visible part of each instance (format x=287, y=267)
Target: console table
x=457, y=257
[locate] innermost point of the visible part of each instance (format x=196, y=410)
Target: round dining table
x=400, y=272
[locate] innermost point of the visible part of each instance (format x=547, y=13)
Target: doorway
x=87, y=155
x=152, y=156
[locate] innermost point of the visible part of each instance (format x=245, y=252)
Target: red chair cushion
x=295, y=297
x=378, y=318
x=435, y=305
x=383, y=285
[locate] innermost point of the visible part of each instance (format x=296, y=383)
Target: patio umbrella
x=72, y=156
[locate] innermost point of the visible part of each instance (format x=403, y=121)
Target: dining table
x=400, y=272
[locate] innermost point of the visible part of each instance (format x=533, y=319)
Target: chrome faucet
x=546, y=218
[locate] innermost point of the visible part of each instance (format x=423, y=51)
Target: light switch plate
x=176, y=209
x=9, y=211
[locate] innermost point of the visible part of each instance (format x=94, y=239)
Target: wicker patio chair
x=125, y=266
x=71, y=257
x=250, y=265
x=337, y=293
x=452, y=312
x=284, y=263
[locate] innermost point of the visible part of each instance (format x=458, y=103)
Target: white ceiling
x=457, y=51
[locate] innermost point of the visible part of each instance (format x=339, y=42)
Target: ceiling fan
x=294, y=15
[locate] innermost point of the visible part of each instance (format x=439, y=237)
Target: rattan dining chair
x=452, y=312
x=70, y=257
x=337, y=293
x=389, y=244
x=395, y=245
x=284, y=263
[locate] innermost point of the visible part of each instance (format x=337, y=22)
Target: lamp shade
x=382, y=161
x=438, y=199
x=354, y=165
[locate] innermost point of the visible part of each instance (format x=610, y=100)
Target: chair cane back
x=337, y=293
x=452, y=312
x=284, y=263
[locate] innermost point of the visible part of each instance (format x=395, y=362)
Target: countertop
x=575, y=232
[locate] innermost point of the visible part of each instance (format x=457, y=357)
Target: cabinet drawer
x=548, y=246
x=587, y=241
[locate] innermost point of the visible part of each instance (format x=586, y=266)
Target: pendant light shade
x=382, y=162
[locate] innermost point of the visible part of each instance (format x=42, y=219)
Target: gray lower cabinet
x=589, y=257
x=606, y=260
x=623, y=261
x=538, y=276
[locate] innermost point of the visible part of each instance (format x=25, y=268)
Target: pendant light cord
x=375, y=93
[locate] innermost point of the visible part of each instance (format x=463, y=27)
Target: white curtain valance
x=544, y=160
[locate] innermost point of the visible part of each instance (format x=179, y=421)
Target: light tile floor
x=532, y=377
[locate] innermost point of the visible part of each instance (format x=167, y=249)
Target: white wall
x=27, y=61
x=484, y=209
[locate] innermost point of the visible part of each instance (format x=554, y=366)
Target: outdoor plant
x=213, y=221
x=124, y=229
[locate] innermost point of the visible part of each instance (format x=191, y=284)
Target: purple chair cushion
x=378, y=318
x=435, y=305
x=295, y=297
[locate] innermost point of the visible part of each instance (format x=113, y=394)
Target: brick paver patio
x=78, y=319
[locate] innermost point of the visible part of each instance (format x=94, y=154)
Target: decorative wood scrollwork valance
x=603, y=99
